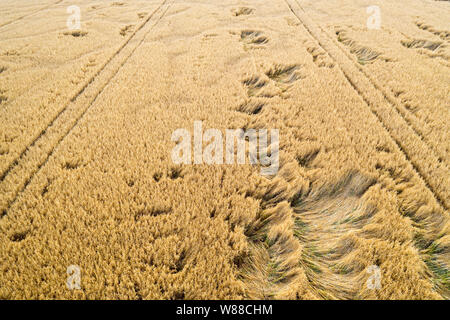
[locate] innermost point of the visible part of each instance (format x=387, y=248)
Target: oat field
x=90, y=195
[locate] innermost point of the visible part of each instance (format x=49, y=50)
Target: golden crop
x=87, y=179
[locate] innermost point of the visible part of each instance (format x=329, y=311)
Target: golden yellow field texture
x=87, y=178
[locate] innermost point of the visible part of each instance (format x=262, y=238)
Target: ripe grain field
x=87, y=176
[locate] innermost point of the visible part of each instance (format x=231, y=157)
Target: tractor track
x=30, y=14
x=414, y=122
x=67, y=119
x=425, y=163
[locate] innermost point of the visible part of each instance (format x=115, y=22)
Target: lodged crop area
x=89, y=191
